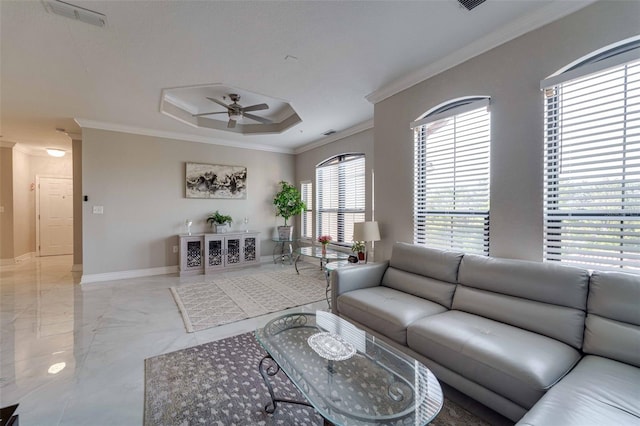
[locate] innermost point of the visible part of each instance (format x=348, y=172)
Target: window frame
x=457, y=219
x=340, y=161
x=586, y=235
x=306, y=219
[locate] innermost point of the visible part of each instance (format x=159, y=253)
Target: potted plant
x=358, y=247
x=288, y=203
x=219, y=222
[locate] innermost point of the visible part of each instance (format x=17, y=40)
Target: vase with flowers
x=324, y=240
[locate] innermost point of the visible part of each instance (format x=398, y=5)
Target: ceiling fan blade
x=218, y=102
x=208, y=113
x=258, y=119
x=231, y=124
x=257, y=107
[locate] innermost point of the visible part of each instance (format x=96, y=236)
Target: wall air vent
x=77, y=13
x=470, y=4
x=329, y=132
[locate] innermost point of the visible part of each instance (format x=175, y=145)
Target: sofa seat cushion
x=386, y=310
x=599, y=391
x=518, y=364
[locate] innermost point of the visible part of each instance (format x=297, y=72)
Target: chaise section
x=518, y=364
x=598, y=391
x=604, y=388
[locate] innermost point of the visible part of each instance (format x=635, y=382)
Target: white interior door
x=56, y=216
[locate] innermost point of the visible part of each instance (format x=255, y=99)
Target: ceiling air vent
x=329, y=132
x=470, y=4
x=78, y=13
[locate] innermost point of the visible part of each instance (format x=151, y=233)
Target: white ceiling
x=55, y=70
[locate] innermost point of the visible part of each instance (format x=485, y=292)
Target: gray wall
x=510, y=74
x=306, y=162
x=140, y=182
x=24, y=235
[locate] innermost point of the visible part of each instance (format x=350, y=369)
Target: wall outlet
x=98, y=209
x=175, y=249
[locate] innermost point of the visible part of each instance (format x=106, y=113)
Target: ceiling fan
x=237, y=111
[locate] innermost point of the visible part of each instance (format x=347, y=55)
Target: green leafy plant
x=219, y=218
x=358, y=247
x=288, y=201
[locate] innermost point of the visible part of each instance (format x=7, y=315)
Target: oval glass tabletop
x=375, y=385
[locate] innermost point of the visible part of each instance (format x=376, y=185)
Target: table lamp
x=366, y=231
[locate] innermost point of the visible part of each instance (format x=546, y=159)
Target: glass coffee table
x=347, y=375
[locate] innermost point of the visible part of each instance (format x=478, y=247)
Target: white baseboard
x=25, y=257
x=77, y=267
x=16, y=260
x=122, y=275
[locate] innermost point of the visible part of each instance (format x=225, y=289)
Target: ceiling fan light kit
x=237, y=111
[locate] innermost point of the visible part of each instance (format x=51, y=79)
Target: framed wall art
x=215, y=181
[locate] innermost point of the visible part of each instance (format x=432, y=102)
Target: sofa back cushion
x=424, y=272
x=433, y=263
x=613, y=319
x=437, y=291
x=541, y=297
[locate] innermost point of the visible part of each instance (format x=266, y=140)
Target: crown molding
x=92, y=124
x=365, y=125
x=516, y=28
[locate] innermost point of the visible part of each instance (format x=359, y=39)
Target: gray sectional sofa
x=540, y=343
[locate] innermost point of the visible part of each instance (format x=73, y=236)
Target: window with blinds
x=592, y=163
x=451, y=177
x=307, y=215
x=340, y=196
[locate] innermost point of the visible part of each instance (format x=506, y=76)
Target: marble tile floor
x=73, y=355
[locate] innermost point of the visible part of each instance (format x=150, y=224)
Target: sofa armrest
x=349, y=279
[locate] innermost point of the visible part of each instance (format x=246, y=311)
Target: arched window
x=592, y=160
x=340, y=196
x=451, y=176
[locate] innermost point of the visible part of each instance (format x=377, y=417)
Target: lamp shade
x=366, y=231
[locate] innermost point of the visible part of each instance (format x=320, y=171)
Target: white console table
x=207, y=253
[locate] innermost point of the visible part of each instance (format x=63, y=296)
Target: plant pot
x=285, y=233
x=220, y=229
x=361, y=256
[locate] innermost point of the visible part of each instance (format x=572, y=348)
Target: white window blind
x=451, y=177
x=592, y=174
x=340, y=195
x=307, y=215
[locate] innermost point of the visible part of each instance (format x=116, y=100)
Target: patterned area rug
x=218, y=383
x=221, y=301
